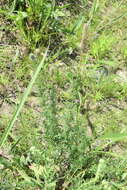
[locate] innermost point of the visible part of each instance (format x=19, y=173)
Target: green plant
x=102, y=45
x=70, y=132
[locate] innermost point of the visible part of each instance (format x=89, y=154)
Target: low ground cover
x=68, y=131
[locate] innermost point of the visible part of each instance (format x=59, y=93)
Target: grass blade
x=21, y=104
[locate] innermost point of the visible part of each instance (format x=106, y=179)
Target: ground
x=71, y=131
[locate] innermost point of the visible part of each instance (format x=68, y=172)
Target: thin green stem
x=24, y=97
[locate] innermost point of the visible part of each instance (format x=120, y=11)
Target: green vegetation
x=63, y=87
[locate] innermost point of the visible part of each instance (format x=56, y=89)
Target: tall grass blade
x=24, y=97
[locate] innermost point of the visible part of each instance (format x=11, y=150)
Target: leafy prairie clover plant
x=64, y=126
